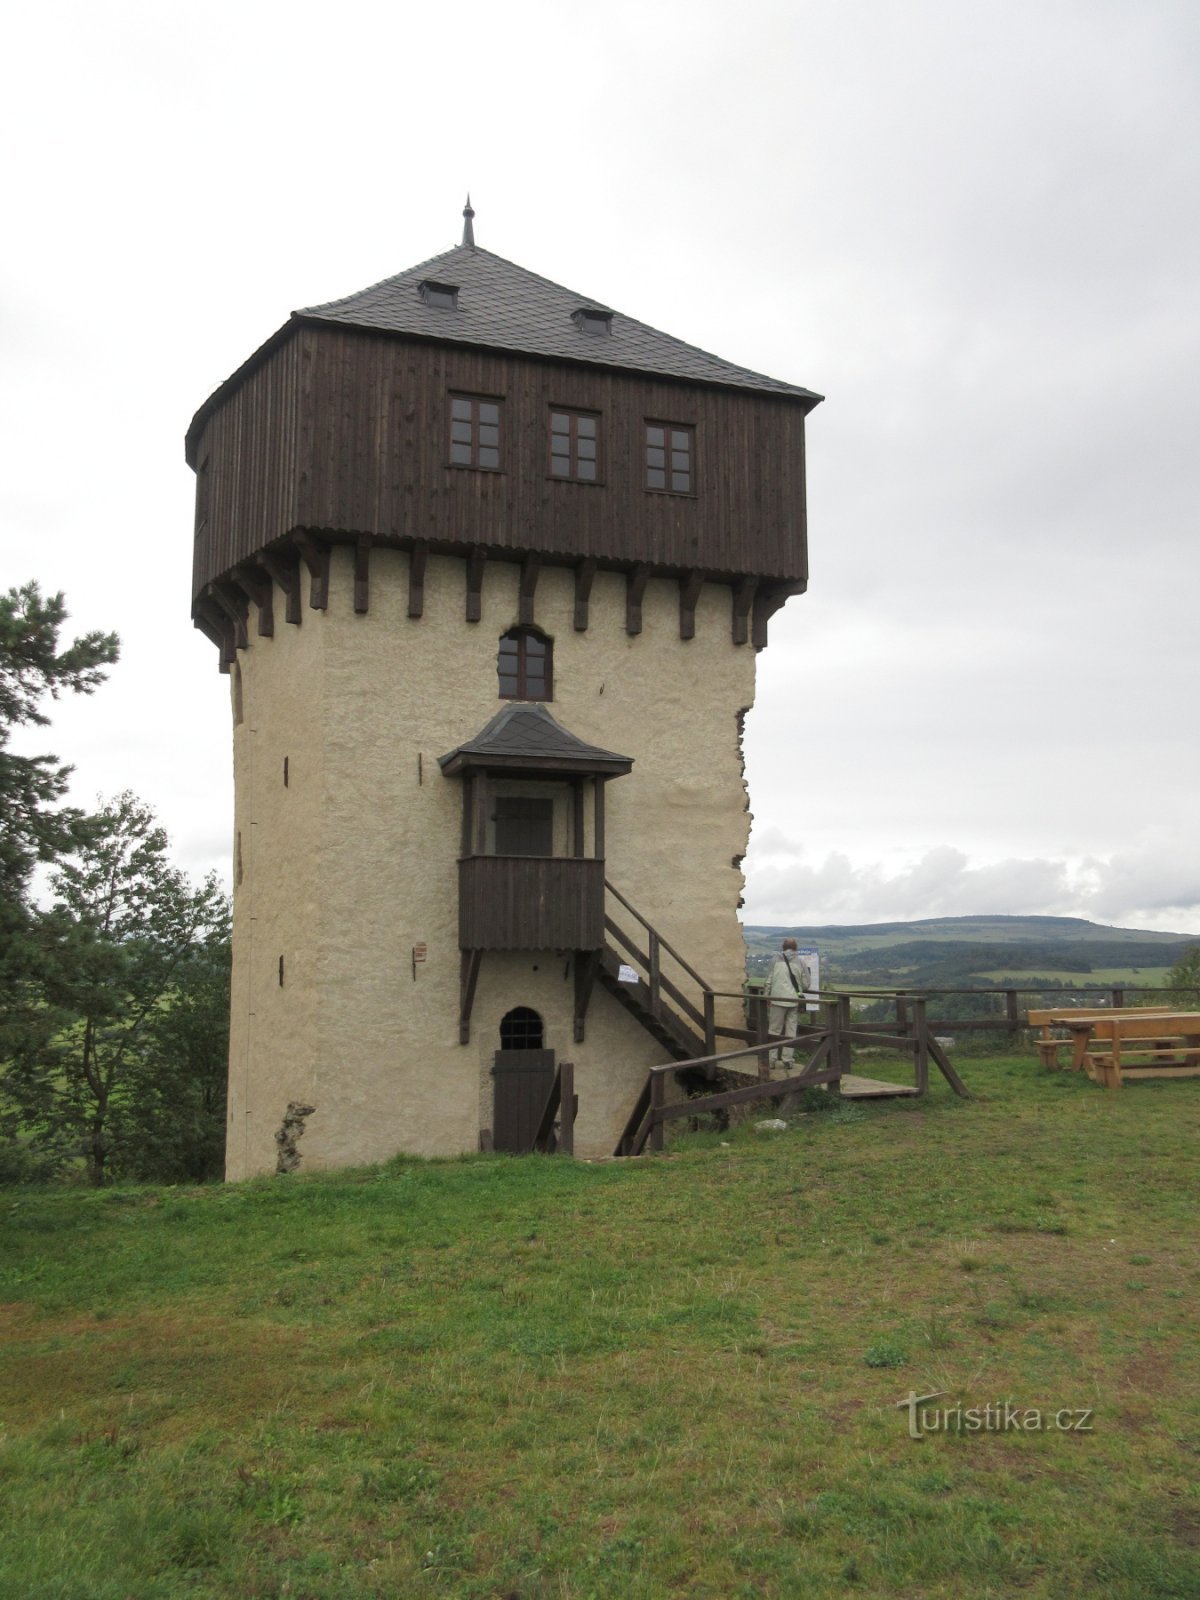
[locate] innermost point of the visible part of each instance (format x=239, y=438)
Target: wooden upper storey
x=343, y=433
x=341, y=427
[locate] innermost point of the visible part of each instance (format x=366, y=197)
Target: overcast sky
x=973, y=225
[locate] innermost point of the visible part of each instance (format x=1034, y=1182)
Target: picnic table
x=1133, y=1042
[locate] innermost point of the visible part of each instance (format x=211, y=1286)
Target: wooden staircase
x=675, y=1005
x=679, y=1041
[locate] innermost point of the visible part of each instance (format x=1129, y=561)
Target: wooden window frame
x=521, y=636
x=668, y=447
x=475, y=422
x=574, y=415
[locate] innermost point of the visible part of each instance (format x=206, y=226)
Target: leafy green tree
x=124, y=938
x=1183, y=981
x=171, y=1124
x=34, y=826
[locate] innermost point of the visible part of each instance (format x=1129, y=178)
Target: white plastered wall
x=354, y=864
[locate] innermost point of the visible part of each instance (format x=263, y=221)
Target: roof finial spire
x=468, y=224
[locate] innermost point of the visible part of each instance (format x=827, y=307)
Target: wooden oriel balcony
x=530, y=903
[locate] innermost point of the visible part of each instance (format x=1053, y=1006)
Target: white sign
x=811, y=958
x=627, y=975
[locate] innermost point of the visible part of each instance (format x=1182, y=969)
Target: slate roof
x=522, y=735
x=504, y=307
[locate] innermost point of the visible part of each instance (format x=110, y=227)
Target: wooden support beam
x=284, y=567
x=689, y=593
x=635, y=588
x=316, y=558
x=233, y=603
x=743, y=600
x=215, y=625
x=599, y=829
x=577, y=816
x=256, y=586
x=475, y=565
x=416, y=577
x=362, y=574
x=584, y=573
x=530, y=568
x=767, y=601
x=586, y=964
x=468, y=977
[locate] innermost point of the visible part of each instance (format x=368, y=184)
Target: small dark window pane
x=679, y=460
x=587, y=471
x=524, y=666
x=460, y=408
x=587, y=449
x=586, y=427
x=461, y=431
x=560, y=467
x=489, y=458
x=654, y=436
x=681, y=481
x=656, y=479
x=656, y=458
x=679, y=441
x=460, y=454
x=560, y=422
x=489, y=434
x=488, y=412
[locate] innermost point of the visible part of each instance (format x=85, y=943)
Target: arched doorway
x=522, y=1076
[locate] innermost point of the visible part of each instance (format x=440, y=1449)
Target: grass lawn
x=670, y=1377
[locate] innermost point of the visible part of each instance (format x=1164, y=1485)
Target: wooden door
x=522, y=1080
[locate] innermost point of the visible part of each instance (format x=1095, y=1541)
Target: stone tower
x=488, y=564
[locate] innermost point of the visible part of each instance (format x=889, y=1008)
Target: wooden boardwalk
x=856, y=1088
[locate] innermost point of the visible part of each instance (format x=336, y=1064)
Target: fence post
x=710, y=1023
x=1014, y=1016
x=832, y=1020
x=1118, y=999
x=901, y=1012
x=921, y=1043
x=658, y=1098
x=655, y=958
x=566, y=1108
x=843, y=1030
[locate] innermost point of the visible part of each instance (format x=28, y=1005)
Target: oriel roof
x=526, y=736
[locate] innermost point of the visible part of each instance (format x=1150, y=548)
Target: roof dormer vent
x=442, y=296
x=591, y=319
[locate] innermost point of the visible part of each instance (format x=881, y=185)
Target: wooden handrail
x=666, y=945
x=560, y=1101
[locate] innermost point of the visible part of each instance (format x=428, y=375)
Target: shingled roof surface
x=504, y=307
x=530, y=732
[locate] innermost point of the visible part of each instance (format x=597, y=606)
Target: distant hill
x=949, y=951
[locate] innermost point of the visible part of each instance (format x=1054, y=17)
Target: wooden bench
x=1124, y=1045
x=1071, y=1028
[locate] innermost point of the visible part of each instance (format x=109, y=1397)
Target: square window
x=475, y=432
x=575, y=446
x=670, y=451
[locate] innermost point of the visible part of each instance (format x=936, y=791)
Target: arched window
x=525, y=665
x=521, y=1029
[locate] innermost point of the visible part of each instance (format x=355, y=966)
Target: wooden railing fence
x=828, y=1042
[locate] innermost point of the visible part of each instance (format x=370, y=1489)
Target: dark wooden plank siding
x=345, y=433
x=530, y=903
x=252, y=450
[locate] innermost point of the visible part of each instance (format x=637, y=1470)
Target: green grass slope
x=674, y=1377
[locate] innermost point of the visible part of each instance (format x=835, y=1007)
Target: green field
x=679, y=1376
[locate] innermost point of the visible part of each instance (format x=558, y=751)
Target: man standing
x=786, y=983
